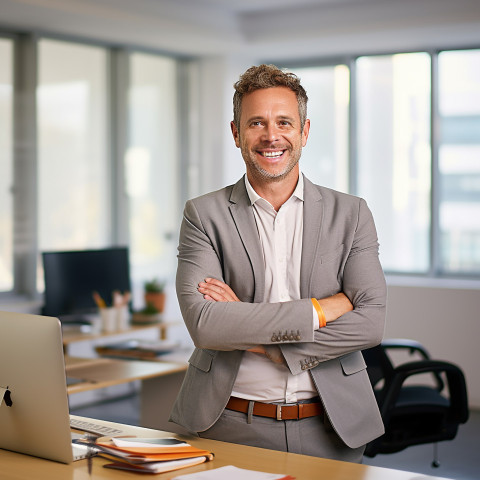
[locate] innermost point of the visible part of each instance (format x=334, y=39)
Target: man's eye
x=284, y=123
x=256, y=123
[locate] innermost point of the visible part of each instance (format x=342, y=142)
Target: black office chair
x=420, y=413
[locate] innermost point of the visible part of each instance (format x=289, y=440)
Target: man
x=280, y=287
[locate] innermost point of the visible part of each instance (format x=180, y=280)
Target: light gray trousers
x=309, y=436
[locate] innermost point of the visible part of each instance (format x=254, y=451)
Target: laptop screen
x=32, y=368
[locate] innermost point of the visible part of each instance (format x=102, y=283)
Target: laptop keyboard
x=95, y=428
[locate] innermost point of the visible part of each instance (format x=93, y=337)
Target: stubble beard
x=261, y=174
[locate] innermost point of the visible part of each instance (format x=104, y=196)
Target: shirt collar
x=254, y=196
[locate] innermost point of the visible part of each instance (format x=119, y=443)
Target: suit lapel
x=242, y=215
x=312, y=226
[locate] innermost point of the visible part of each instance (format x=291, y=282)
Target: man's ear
x=305, y=132
x=235, y=134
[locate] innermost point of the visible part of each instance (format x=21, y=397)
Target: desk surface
x=20, y=467
x=72, y=334
x=104, y=372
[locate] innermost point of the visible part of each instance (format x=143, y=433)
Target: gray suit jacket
x=219, y=238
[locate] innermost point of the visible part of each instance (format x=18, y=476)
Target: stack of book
x=150, y=455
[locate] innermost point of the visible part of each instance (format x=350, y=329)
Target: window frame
x=25, y=169
x=434, y=273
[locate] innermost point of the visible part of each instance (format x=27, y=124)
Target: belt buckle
x=279, y=409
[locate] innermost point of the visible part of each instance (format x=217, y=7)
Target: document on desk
x=150, y=455
x=233, y=473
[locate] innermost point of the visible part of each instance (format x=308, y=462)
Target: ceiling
x=265, y=28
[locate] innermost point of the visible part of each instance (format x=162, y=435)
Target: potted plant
x=155, y=295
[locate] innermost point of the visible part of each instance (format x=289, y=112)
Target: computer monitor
x=72, y=277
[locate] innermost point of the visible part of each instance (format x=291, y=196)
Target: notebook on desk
x=32, y=368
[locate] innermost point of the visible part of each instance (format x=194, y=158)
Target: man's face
x=270, y=135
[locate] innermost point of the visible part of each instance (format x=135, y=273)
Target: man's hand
x=213, y=289
x=335, y=306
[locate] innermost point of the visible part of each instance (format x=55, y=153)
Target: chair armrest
x=413, y=346
x=455, y=381
x=406, y=344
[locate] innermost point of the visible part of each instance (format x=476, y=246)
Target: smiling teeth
x=272, y=154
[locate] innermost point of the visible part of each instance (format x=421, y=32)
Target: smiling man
x=280, y=287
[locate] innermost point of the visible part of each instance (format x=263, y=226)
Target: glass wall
x=6, y=164
x=325, y=158
x=73, y=157
x=423, y=189
x=151, y=167
x=394, y=155
x=459, y=161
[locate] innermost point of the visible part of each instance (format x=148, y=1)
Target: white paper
x=147, y=443
x=232, y=473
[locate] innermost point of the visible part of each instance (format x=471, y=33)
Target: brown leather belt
x=295, y=411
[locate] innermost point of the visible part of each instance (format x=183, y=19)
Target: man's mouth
x=272, y=154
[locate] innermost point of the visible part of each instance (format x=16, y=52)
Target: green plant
x=154, y=286
x=150, y=309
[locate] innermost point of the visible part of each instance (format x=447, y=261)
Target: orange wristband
x=322, y=321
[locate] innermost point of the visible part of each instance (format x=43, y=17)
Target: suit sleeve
x=229, y=325
x=363, y=282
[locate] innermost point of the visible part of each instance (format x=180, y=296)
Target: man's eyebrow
x=254, y=118
x=279, y=117
x=286, y=117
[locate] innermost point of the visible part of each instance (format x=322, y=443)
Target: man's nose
x=270, y=132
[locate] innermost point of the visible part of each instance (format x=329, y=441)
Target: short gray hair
x=268, y=76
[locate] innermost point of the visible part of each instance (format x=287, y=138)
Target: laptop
x=32, y=368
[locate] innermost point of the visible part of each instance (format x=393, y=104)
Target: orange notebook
x=150, y=455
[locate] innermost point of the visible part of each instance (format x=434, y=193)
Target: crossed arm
x=217, y=320
x=333, y=307
x=218, y=291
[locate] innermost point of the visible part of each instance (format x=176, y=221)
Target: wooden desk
x=75, y=334
x=98, y=373
x=22, y=467
x=160, y=385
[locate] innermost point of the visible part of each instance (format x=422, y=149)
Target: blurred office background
x=113, y=113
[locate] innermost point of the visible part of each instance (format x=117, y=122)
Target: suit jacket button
x=304, y=367
x=285, y=337
x=274, y=338
x=298, y=337
x=291, y=337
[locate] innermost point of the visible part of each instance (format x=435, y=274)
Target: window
x=459, y=161
x=394, y=155
x=423, y=189
x=77, y=178
x=73, y=157
x=151, y=164
x=6, y=163
x=325, y=158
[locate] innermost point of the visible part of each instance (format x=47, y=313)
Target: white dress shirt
x=280, y=235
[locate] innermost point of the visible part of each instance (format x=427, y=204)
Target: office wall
x=445, y=320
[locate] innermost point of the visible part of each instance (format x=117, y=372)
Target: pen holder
x=109, y=317
x=123, y=317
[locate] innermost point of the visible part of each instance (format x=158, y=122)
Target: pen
x=99, y=300
x=89, y=460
